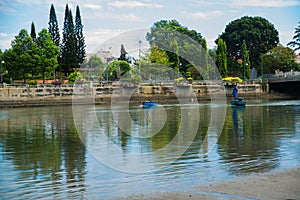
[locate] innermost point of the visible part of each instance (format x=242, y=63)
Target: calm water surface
x=42, y=154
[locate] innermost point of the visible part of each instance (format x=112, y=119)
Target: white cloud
x=3, y=34
x=96, y=38
x=133, y=4
x=265, y=3
x=104, y=39
x=120, y=17
x=285, y=36
x=92, y=6
x=205, y=15
x=5, y=40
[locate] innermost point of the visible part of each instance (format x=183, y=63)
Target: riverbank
x=277, y=185
x=12, y=102
x=102, y=95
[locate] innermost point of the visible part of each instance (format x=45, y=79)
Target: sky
x=104, y=19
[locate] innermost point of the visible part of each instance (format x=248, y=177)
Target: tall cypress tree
x=32, y=32
x=53, y=26
x=221, y=61
x=295, y=43
x=80, y=43
x=68, y=59
x=246, y=61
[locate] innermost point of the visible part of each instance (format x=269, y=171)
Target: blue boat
x=149, y=104
x=237, y=101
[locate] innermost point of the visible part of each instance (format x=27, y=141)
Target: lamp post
x=178, y=72
x=245, y=66
x=1, y=74
x=106, y=74
x=106, y=54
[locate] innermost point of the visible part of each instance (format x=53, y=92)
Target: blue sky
x=103, y=19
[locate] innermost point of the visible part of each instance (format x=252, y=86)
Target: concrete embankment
x=164, y=93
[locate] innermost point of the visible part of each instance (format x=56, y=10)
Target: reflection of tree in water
x=43, y=144
x=249, y=142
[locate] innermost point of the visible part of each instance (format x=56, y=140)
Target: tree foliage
x=53, y=26
x=158, y=56
x=258, y=33
x=295, y=43
x=156, y=65
x=68, y=59
x=48, y=53
x=28, y=58
x=118, y=68
x=80, y=43
x=246, y=61
x=75, y=76
x=32, y=32
x=22, y=57
x=279, y=58
x=221, y=60
x=182, y=41
x=94, y=64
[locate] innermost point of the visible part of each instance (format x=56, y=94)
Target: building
x=105, y=55
x=297, y=58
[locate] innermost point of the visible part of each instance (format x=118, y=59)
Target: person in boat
x=235, y=94
x=149, y=99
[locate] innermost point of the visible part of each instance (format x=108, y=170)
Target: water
x=44, y=154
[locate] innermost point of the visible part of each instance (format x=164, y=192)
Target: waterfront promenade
x=40, y=95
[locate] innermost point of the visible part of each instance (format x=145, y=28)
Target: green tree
x=173, y=29
x=158, y=56
x=53, y=26
x=95, y=66
x=75, y=76
x=246, y=61
x=295, y=43
x=48, y=53
x=155, y=64
x=32, y=32
x=22, y=58
x=68, y=59
x=118, y=68
x=80, y=43
x=1, y=66
x=279, y=58
x=205, y=59
x=258, y=33
x=221, y=60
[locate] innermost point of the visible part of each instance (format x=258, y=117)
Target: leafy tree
x=1, y=65
x=221, y=61
x=156, y=65
x=21, y=59
x=96, y=65
x=205, y=59
x=246, y=61
x=53, y=26
x=118, y=68
x=48, y=53
x=296, y=39
x=279, y=58
x=32, y=32
x=173, y=29
x=68, y=59
x=258, y=33
x=28, y=58
x=75, y=76
x=158, y=56
x=80, y=43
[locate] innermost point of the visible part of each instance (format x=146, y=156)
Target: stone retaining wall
x=184, y=89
